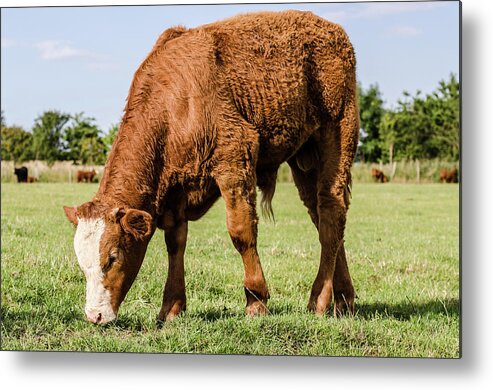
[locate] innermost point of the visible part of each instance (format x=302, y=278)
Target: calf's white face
x=86, y=244
x=110, y=244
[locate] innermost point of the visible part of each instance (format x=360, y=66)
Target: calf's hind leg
x=337, y=148
x=343, y=286
x=344, y=294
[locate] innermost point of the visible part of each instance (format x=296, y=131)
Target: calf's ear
x=71, y=213
x=138, y=223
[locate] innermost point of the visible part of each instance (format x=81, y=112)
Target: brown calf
x=86, y=176
x=379, y=176
x=213, y=111
x=449, y=175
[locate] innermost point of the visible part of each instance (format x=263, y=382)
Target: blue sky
x=82, y=59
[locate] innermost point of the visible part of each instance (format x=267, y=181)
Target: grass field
x=403, y=253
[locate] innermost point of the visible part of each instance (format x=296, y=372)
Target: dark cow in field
x=21, y=174
x=85, y=176
x=379, y=176
x=449, y=175
x=213, y=111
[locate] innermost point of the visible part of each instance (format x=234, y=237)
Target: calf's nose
x=94, y=317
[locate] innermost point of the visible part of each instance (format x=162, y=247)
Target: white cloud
x=404, y=31
x=59, y=50
x=6, y=43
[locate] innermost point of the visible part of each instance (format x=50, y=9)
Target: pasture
x=402, y=243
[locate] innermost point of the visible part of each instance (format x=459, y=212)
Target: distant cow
x=85, y=176
x=449, y=175
x=379, y=176
x=21, y=174
x=31, y=179
x=213, y=111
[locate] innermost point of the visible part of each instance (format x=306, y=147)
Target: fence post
x=36, y=169
x=417, y=171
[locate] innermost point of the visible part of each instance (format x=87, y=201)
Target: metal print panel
x=261, y=179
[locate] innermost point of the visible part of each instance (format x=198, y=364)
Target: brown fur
x=449, y=175
x=213, y=111
x=86, y=176
x=379, y=176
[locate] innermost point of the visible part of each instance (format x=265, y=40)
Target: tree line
x=57, y=136
x=418, y=127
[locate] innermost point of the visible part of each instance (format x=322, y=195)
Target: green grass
x=403, y=253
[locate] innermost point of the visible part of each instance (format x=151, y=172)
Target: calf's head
x=110, y=244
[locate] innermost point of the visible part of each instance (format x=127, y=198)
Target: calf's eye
x=111, y=259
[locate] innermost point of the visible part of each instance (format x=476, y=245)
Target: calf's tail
x=267, y=184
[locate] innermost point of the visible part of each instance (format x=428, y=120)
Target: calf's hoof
x=344, y=300
x=257, y=308
x=344, y=307
x=170, y=310
x=316, y=309
x=320, y=304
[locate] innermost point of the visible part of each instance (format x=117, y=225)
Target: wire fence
x=412, y=171
x=59, y=172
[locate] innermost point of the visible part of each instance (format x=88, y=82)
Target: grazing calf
x=21, y=174
x=86, y=176
x=379, y=176
x=213, y=111
x=449, y=175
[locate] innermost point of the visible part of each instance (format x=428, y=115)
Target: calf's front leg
x=241, y=221
x=174, y=299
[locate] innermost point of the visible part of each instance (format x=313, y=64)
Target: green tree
x=93, y=151
x=82, y=141
x=16, y=144
x=371, y=113
x=412, y=129
x=388, y=135
x=424, y=126
x=445, y=119
x=109, y=138
x=47, y=136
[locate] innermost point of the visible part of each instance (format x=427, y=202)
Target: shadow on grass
x=19, y=322
x=129, y=323
x=223, y=313
x=403, y=311
x=213, y=314
x=38, y=316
